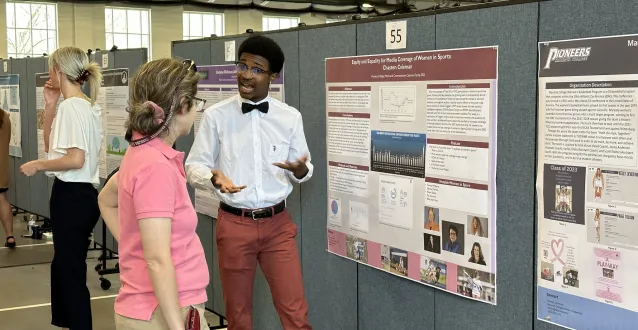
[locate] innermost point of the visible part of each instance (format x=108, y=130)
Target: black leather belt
x=261, y=213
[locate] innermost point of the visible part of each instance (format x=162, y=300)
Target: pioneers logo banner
x=558, y=55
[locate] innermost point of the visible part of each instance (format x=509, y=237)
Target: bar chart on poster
x=411, y=144
x=217, y=83
x=586, y=182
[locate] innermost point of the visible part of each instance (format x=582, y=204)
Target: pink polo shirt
x=152, y=184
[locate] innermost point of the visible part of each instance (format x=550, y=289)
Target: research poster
x=40, y=81
x=219, y=82
x=113, y=98
x=587, y=183
x=10, y=102
x=411, y=156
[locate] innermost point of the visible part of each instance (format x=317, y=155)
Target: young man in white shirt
x=247, y=150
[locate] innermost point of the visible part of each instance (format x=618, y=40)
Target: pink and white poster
x=411, y=148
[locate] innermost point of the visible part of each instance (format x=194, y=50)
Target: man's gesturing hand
x=299, y=168
x=224, y=184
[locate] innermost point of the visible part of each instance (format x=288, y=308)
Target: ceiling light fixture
x=367, y=5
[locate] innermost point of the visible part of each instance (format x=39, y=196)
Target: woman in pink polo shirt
x=162, y=261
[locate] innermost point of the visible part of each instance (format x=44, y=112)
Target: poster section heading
x=411, y=165
x=587, y=183
x=10, y=102
x=218, y=83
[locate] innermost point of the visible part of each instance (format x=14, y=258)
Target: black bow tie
x=248, y=107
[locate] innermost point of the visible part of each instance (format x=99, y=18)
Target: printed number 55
x=395, y=35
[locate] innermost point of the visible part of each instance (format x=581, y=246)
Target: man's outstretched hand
x=224, y=184
x=299, y=168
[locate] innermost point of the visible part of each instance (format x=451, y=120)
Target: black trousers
x=74, y=213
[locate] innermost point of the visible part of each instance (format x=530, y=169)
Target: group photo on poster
x=411, y=149
x=586, y=182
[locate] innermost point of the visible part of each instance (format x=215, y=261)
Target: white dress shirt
x=244, y=148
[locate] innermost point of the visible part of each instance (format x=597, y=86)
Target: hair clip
x=84, y=76
x=158, y=111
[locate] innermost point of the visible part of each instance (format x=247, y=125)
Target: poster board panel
x=38, y=188
x=199, y=51
x=515, y=162
x=325, y=275
x=19, y=146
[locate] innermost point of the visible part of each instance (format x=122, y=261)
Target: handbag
x=192, y=319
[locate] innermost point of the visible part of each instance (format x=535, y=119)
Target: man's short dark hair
x=453, y=227
x=266, y=48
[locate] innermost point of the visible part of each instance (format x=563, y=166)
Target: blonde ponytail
x=94, y=79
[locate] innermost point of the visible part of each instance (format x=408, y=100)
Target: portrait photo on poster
x=453, y=237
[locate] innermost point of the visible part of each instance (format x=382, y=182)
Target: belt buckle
x=252, y=213
x=258, y=212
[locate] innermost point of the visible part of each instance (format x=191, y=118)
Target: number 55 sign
x=395, y=34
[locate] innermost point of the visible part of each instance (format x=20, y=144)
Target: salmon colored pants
x=242, y=243
x=157, y=321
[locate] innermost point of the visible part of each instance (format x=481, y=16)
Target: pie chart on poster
x=334, y=207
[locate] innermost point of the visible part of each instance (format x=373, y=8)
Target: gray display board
x=515, y=164
x=22, y=182
x=130, y=59
x=344, y=295
x=39, y=183
x=330, y=281
x=11, y=194
x=199, y=51
x=392, y=294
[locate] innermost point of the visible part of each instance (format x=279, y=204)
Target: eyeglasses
x=190, y=65
x=200, y=104
x=254, y=71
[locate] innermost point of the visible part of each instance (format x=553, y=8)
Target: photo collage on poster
x=411, y=144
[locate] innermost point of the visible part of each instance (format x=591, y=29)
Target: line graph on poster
x=397, y=103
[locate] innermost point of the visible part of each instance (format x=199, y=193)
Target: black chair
x=101, y=269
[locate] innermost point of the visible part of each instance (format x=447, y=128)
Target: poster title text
x=401, y=62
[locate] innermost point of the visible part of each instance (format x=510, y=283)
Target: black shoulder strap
x=111, y=174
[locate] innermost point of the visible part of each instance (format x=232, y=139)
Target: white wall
x=82, y=25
